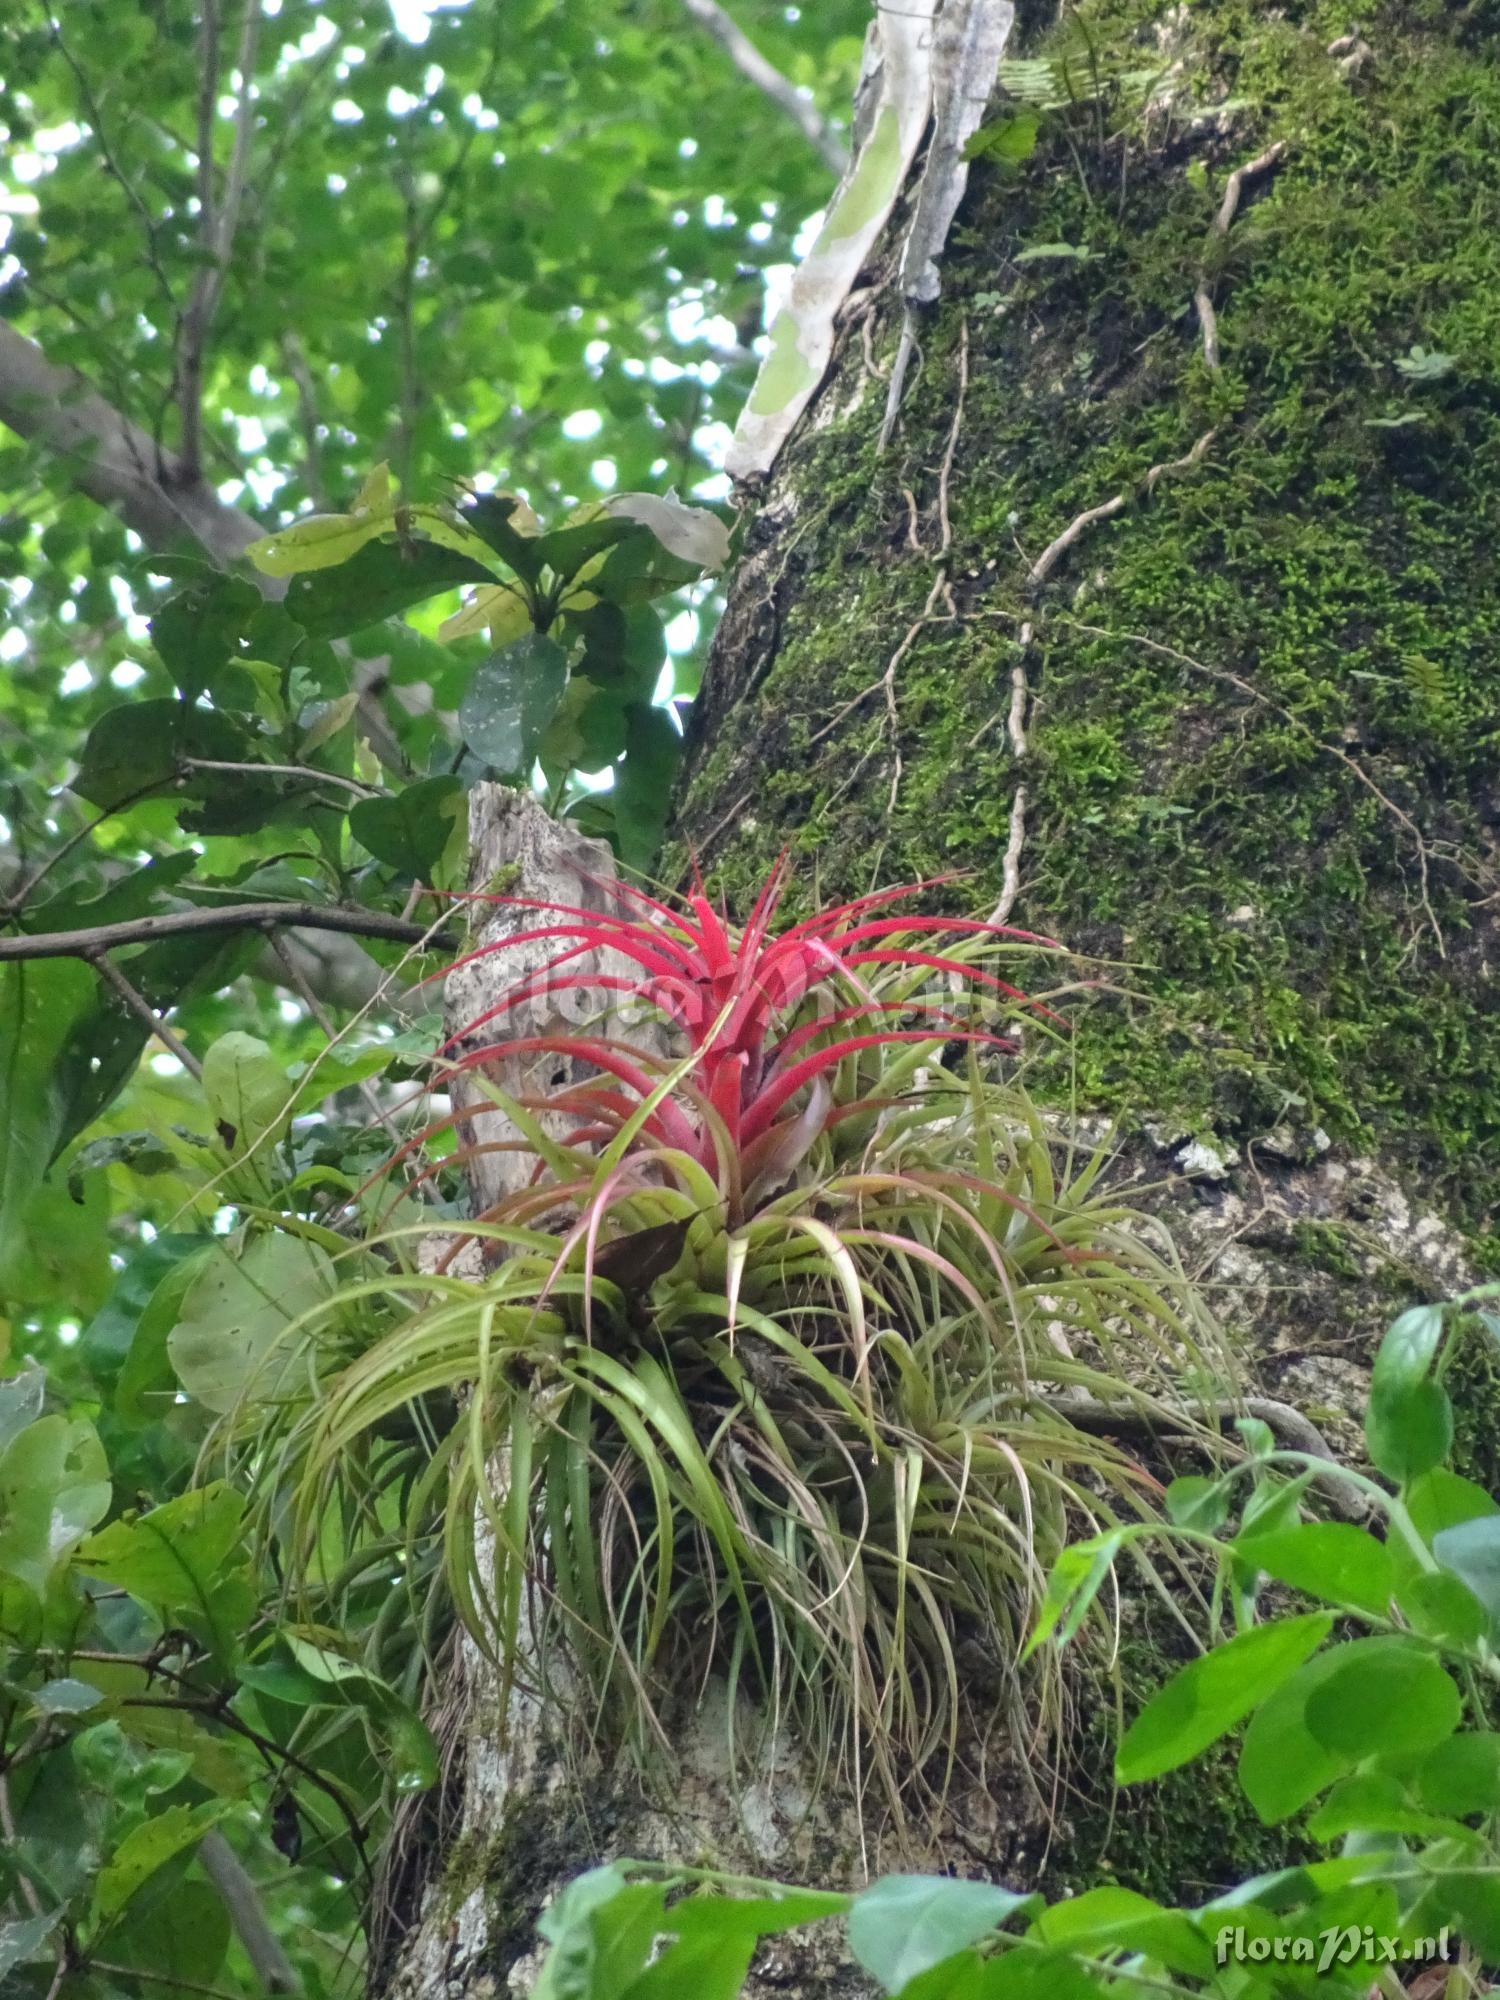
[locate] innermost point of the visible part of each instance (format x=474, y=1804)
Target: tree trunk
x=1168, y=613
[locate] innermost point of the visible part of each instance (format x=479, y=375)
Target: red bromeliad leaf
x=750, y=1007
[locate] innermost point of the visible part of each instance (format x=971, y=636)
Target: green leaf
x=106, y=1341
x=198, y=630
x=510, y=701
x=1439, y=1607
x=1076, y=1577
x=1397, y=1701
x=179, y=1939
x=1111, y=1919
x=129, y=751
x=1010, y=140
x=1282, y=1764
x=1471, y=1551
x=1408, y=1428
x=225, y=1765
x=414, y=1760
x=65, y=1697
x=508, y=526
x=320, y=541
x=54, y=1486
x=903, y=1925
x=21, y=1399
x=1373, y=1802
x=378, y=580
x=762, y=1916
x=566, y=550
x=1406, y=1353
x=705, y=1968
x=639, y=568
x=39, y=1005
x=410, y=831
x=1462, y=1774
x=1441, y=1499
x=148, y=1847
x=1211, y=1694
x=147, y=1384
x=601, y=1929
x=643, y=783
x=1194, y=1501
x=235, y=1313
x=1028, y=1975
x=23, y=1938
x=1328, y=1559
x=249, y=1093
x=180, y=1558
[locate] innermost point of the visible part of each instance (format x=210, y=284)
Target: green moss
x=1473, y=1383
x=1328, y=1246
x=1180, y=1839
x=1333, y=550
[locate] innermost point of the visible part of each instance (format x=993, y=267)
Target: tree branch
x=236, y=917
x=217, y=222
x=141, y=1007
x=113, y=460
x=192, y=328
x=118, y=464
x=754, y=67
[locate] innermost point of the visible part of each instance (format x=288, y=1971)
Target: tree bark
x=1167, y=613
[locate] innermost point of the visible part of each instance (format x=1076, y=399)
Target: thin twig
x=1183, y=464
x=945, y=474
x=769, y=81
x=283, y=771
x=1010, y=876
x=8, y=1828
x=1047, y=560
x=1015, y=722
x=14, y=903
x=1208, y=319
x=295, y=356
x=141, y=1007
x=939, y=586
x=218, y=221
x=235, y=917
x=1234, y=186
x=129, y=1972
x=192, y=328
x=913, y=537
x=896, y=388
x=1357, y=770
x=238, y=1894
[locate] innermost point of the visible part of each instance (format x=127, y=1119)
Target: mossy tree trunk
x=1264, y=691
x=1251, y=706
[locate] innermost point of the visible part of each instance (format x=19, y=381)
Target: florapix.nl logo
x=1338, y=1944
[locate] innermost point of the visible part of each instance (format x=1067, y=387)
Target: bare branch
x=754, y=67
x=241, y=1899
x=141, y=1007
x=217, y=221
x=295, y=356
x=234, y=917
